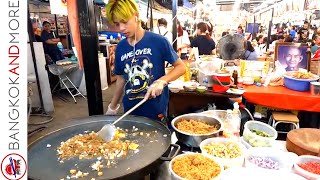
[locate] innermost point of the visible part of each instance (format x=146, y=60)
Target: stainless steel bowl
x=194, y=140
x=315, y=88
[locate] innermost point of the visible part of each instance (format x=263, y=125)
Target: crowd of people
x=256, y=44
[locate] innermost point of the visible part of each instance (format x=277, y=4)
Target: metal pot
x=192, y=140
x=43, y=163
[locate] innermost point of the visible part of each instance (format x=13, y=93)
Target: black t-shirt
x=204, y=44
x=48, y=48
x=51, y=49
x=303, y=34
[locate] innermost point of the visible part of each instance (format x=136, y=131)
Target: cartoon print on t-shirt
x=138, y=77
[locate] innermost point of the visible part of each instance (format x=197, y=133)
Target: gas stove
x=185, y=148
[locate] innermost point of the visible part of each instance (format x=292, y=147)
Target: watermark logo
x=13, y=166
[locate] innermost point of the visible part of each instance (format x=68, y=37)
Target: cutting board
x=304, y=141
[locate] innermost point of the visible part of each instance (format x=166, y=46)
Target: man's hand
x=113, y=111
x=155, y=89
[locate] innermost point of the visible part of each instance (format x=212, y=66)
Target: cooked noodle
x=302, y=75
x=90, y=145
x=196, y=167
x=192, y=126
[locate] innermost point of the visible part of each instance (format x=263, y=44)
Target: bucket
x=206, y=69
x=221, y=82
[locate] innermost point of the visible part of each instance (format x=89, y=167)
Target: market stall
x=282, y=98
x=198, y=142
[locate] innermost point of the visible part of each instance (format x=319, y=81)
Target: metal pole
x=148, y=6
x=89, y=44
x=269, y=30
x=69, y=36
x=56, y=23
x=174, y=23
x=151, y=15
x=31, y=40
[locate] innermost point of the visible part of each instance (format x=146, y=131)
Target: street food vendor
x=140, y=63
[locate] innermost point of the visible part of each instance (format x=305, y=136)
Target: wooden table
x=186, y=102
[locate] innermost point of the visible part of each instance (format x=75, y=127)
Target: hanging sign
x=58, y=7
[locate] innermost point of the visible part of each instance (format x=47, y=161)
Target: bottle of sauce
x=235, y=76
x=187, y=74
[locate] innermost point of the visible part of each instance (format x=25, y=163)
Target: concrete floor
x=67, y=111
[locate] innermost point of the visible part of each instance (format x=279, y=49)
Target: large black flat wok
x=44, y=165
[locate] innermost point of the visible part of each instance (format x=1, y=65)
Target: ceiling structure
x=248, y=5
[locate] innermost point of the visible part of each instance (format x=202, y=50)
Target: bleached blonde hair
x=123, y=10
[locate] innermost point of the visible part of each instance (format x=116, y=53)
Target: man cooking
x=140, y=63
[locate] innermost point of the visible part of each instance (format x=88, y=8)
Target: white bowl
x=303, y=159
x=285, y=160
x=258, y=141
x=177, y=177
x=226, y=162
x=258, y=174
x=175, y=87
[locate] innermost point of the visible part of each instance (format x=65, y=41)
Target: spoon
x=108, y=131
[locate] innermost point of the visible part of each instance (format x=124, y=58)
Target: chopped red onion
x=264, y=162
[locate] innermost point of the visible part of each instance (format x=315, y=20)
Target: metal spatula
x=108, y=131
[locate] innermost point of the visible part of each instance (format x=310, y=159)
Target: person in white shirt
x=183, y=42
x=162, y=29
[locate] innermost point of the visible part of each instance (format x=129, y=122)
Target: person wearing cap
x=140, y=63
x=162, y=29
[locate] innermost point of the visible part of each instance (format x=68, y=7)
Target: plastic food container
x=256, y=140
x=226, y=162
x=201, y=89
x=284, y=160
x=174, y=176
x=258, y=174
x=190, y=86
x=303, y=159
x=298, y=84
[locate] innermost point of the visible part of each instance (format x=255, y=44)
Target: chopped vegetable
x=311, y=166
x=264, y=162
x=261, y=133
x=221, y=150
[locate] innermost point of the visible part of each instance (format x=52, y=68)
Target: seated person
x=250, y=53
x=50, y=43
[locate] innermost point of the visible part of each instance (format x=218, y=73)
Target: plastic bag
x=275, y=78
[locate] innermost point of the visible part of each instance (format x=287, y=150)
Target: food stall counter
x=282, y=98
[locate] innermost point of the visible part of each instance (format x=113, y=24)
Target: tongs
x=108, y=131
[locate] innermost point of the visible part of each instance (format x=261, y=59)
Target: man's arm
x=52, y=41
x=118, y=92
